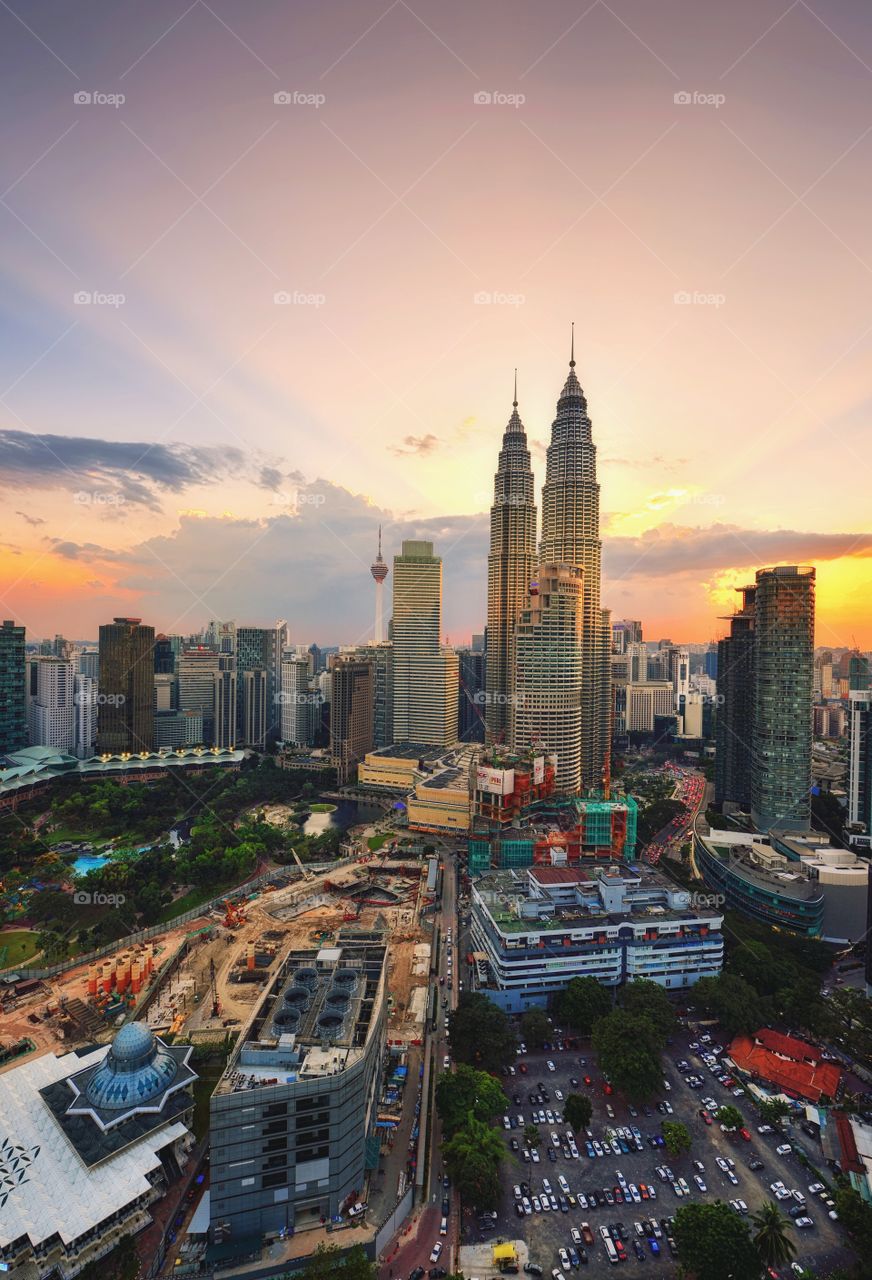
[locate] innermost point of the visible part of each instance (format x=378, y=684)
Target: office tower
x=259, y=649
x=13, y=691
x=570, y=535
x=125, y=719
x=85, y=698
x=293, y=696
x=677, y=669
x=379, y=571
x=253, y=703
x=472, y=697
x=625, y=632
x=198, y=671
x=735, y=702
x=381, y=659
x=426, y=675
x=859, y=784
x=479, y=641
x=858, y=670
x=548, y=662
x=87, y=663
x=781, y=741
x=52, y=710
x=224, y=733
x=351, y=715
x=166, y=694
x=316, y=660
x=645, y=703
x=511, y=567
x=164, y=656
x=637, y=657
x=178, y=729
x=710, y=664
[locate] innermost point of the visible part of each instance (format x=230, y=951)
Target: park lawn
x=374, y=843
x=321, y=807
x=20, y=946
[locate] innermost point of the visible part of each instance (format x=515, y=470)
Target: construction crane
x=213, y=990
x=307, y=875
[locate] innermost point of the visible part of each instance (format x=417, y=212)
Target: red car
x=522, y=1067
x=643, y=1191
x=607, y=1088
x=587, y=1080
x=706, y=1117
x=745, y=1134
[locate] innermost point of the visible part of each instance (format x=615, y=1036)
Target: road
x=418, y=1241
x=690, y=789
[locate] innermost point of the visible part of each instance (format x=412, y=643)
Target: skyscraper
x=259, y=654
x=734, y=726
x=52, y=710
x=782, y=735
x=548, y=662
x=379, y=571
x=351, y=715
x=293, y=698
x=860, y=761
x=570, y=535
x=125, y=720
x=381, y=659
x=426, y=678
x=511, y=567
x=198, y=670
x=13, y=695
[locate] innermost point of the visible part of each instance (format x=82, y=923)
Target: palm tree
x=774, y=1246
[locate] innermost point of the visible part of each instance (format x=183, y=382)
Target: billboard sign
x=499, y=782
x=539, y=769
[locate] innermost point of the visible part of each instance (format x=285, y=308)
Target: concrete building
x=381, y=658
x=511, y=567
x=440, y=802
x=397, y=768
x=472, y=697
x=570, y=536
x=426, y=674
x=760, y=881
x=859, y=781
x=532, y=931
x=13, y=689
x=291, y=1117
x=52, y=704
x=166, y=692
x=735, y=720
x=224, y=734
x=85, y=698
x=259, y=652
x=830, y=720
x=546, y=708
x=88, y=663
x=843, y=879
x=125, y=717
x=351, y=715
x=91, y=1140
x=646, y=701
x=293, y=700
x=178, y=729
x=198, y=672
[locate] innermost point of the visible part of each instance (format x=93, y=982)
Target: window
x=274, y=1179
x=276, y=1109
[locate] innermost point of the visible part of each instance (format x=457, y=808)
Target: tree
x=582, y=1002
x=730, y=1117
x=480, y=1033
x=676, y=1136
x=856, y=1217
x=773, y=1244
x=535, y=1028
x=577, y=1111
x=648, y=1000
x=731, y=1000
x=466, y=1092
x=329, y=1261
x=714, y=1243
x=628, y=1047
x=773, y=1110
x=472, y=1157
x=532, y=1136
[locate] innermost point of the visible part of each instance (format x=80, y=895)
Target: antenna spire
x=515, y=401
x=572, y=348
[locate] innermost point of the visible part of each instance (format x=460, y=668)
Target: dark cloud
x=136, y=472
x=80, y=550
x=416, y=446
x=33, y=520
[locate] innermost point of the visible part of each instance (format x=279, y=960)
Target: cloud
x=136, y=472
x=32, y=520
x=416, y=446
x=80, y=550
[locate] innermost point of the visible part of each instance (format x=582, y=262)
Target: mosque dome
x=137, y=1068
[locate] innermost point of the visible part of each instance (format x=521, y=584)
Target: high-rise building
x=253, y=703
x=859, y=785
x=125, y=720
x=625, y=632
x=198, y=671
x=164, y=656
x=735, y=702
x=379, y=571
x=85, y=697
x=52, y=707
x=166, y=692
x=13, y=691
x=381, y=659
x=570, y=535
x=259, y=649
x=782, y=735
x=710, y=665
x=293, y=697
x=224, y=733
x=548, y=663
x=351, y=715
x=511, y=567
x=426, y=674
x=472, y=697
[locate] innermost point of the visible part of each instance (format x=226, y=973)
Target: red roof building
x=792, y=1065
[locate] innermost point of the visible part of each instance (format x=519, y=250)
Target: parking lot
x=545, y=1232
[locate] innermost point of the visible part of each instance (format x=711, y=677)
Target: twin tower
x=548, y=639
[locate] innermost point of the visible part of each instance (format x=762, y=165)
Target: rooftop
x=787, y=883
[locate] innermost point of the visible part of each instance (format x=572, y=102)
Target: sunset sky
x=184, y=447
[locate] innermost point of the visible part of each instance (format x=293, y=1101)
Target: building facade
x=734, y=727
x=511, y=568
x=52, y=704
x=125, y=715
x=13, y=691
x=426, y=675
x=351, y=715
x=859, y=782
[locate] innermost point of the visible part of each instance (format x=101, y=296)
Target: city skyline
x=182, y=445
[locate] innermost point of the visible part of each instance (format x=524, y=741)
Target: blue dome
x=136, y=1069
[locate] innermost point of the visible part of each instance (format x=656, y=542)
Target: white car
x=699, y=1182
x=534, y=1155
x=721, y=1163
x=582, y=1200
x=550, y=1065
x=803, y=1223
x=577, y=1237
x=516, y=1192
x=546, y=1186
x=564, y=1258
x=732, y=1177
x=437, y=1249
x=765, y=1128
x=784, y=1150
x=564, y=1185
x=816, y=1188
x=507, y=1124
x=537, y=1203
x=558, y=1094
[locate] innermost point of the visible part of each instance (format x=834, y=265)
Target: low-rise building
x=88, y=1142
x=532, y=931
x=759, y=881
x=791, y=1066
x=440, y=802
x=396, y=768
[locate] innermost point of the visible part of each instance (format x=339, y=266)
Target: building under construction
x=556, y=832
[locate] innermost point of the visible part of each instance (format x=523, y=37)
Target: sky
x=268, y=270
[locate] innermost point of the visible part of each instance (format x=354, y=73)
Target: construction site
x=202, y=980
